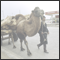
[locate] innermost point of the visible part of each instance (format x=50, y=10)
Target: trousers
x=44, y=46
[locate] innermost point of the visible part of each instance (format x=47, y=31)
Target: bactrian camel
x=28, y=27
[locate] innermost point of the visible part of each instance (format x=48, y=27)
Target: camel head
x=11, y=21
x=37, y=12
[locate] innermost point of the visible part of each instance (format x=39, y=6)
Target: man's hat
x=43, y=17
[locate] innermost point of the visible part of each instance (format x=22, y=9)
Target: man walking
x=43, y=34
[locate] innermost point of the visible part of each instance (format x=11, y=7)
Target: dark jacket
x=43, y=36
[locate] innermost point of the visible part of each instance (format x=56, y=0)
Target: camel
x=8, y=21
x=29, y=27
x=8, y=25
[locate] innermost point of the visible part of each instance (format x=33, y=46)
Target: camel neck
x=36, y=22
x=35, y=19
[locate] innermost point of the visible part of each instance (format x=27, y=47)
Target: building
x=54, y=19
x=57, y=18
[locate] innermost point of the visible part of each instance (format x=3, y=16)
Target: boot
x=46, y=52
x=38, y=46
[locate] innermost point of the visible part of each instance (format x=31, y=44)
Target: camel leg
x=1, y=40
x=13, y=41
x=22, y=49
x=28, y=51
x=9, y=41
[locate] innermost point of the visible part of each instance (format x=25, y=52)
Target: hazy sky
x=9, y=8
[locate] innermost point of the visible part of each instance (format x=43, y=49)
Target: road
x=52, y=46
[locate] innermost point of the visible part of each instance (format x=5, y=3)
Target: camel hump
x=19, y=16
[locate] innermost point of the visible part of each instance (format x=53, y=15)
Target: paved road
x=4, y=56
x=52, y=46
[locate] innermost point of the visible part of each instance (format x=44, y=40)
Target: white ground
x=52, y=46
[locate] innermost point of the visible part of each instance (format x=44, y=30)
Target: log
x=6, y=31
